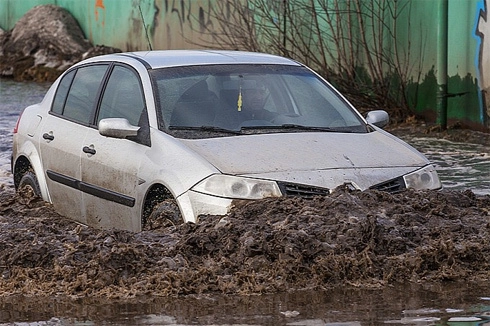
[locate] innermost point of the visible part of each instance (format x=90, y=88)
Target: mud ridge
x=361, y=239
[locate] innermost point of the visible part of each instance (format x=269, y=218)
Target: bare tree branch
x=353, y=43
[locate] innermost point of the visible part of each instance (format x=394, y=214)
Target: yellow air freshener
x=239, y=102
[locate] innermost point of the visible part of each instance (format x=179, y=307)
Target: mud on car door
x=62, y=132
x=110, y=166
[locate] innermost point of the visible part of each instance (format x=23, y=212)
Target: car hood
x=312, y=156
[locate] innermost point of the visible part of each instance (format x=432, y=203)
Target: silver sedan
x=122, y=138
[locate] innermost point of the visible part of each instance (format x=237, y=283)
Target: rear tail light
x=16, y=128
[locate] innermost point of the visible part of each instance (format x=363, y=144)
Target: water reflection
x=455, y=304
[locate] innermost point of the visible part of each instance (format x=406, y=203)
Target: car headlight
x=237, y=187
x=424, y=178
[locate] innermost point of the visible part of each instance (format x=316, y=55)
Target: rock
x=43, y=43
x=290, y=314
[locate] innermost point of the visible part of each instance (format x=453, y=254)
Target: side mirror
x=117, y=128
x=379, y=118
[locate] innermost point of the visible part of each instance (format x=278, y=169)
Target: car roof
x=172, y=58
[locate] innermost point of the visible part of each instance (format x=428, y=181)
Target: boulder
x=43, y=43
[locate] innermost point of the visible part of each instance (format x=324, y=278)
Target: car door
x=63, y=131
x=110, y=167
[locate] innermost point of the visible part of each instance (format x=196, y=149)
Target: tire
x=28, y=189
x=164, y=214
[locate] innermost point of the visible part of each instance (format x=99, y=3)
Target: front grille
x=299, y=190
x=391, y=186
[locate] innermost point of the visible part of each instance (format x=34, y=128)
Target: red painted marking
x=98, y=4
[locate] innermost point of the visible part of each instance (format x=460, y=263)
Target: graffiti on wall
x=180, y=24
x=156, y=24
x=483, y=59
x=99, y=7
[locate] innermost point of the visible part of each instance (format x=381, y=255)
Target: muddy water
x=393, y=306
x=412, y=259
x=14, y=97
x=460, y=165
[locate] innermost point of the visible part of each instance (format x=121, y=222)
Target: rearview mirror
x=379, y=118
x=117, y=128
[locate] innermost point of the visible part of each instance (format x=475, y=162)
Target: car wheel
x=29, y=189
x=164, y=214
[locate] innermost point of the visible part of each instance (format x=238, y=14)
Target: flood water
x=461, y=166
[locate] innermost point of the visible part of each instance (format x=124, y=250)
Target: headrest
x=197, y=91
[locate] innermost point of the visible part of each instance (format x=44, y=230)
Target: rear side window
x=77, y=93
x=62, y=92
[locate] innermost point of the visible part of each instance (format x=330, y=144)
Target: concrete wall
x=172, y=24
x=121, y=23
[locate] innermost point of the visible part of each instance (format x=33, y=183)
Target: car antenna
x=146, y=29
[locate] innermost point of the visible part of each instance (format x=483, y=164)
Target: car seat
x=196, y=107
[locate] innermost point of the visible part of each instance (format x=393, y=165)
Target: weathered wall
x=175, y=24
x=465, y=69
x=119, y=23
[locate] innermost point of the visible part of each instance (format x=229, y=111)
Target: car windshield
x=231, y=99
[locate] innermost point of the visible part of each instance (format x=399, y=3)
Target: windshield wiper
x=205, y=128
x=290, y=126
x=297, y=127
x=345, y=129
x=301, y=127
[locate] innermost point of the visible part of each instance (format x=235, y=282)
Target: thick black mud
x=360, y=239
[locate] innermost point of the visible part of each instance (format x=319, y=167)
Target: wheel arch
x=22, y=164
x=154, y=195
